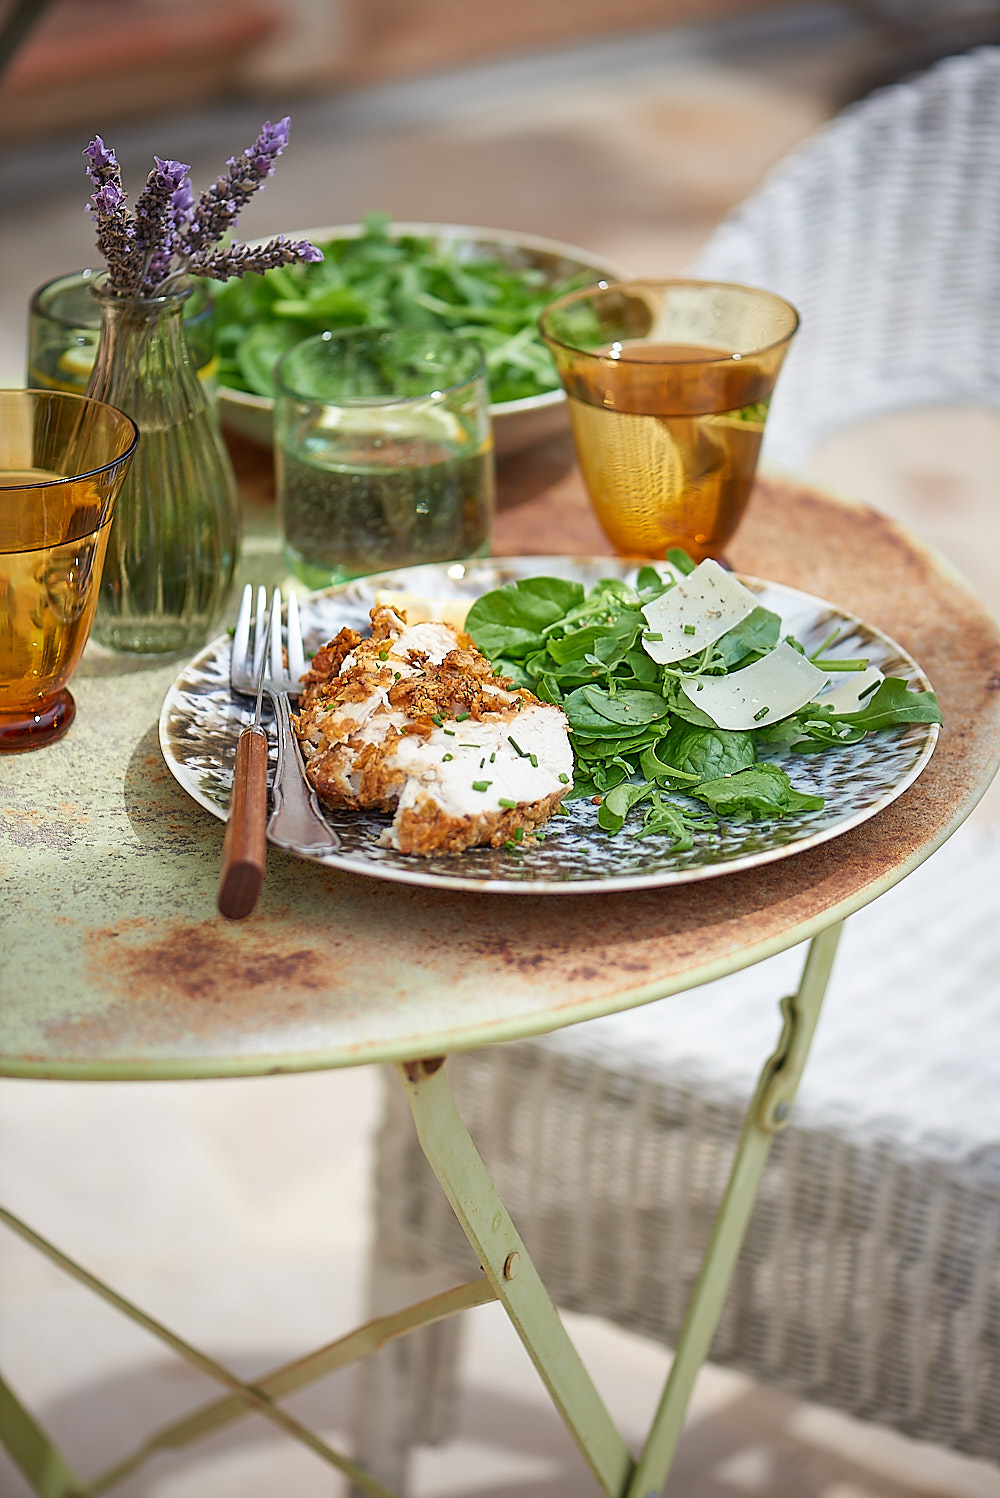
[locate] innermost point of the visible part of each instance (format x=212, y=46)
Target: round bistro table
x=115, y=963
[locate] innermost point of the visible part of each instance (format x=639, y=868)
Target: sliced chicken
x=413, y=720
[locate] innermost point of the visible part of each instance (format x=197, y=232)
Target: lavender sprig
x=219, y=205
x=108, y=207
x=156, y=221
x=171, y=234
x=238, y=259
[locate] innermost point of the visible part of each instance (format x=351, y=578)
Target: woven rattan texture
x=884, y=231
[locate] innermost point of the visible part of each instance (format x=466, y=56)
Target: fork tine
x=259, y=627
x=276, y=665
x=241, y=634
x=296, y=657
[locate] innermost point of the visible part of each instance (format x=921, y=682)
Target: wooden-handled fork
x=296, y=821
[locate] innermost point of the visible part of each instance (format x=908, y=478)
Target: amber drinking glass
x=668, y=385
x=62, y=462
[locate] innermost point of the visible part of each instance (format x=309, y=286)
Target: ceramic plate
x=201, y=721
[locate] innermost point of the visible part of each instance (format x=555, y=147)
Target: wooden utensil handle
x=244, y=850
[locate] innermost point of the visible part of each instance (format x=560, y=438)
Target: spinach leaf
x=631, y=708
x=709, y=753
x=759, y=632
x=642, y=666
x=261, y=349
x=893, y=703
x=765, y=790
x=654, y=768
x=680, y=561
x=651, y=584
x=509, y=620
x=617, y=804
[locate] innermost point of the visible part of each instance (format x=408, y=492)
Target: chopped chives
x=762, y=714
x=507, y=802
x=481, y=785
x=689, y=629
x=461, y=717
x=449, y=731
x=518, y=834
x=446, y=756
x=516, y=747
x=534, y=761
x=437, y=718
x=564, y=779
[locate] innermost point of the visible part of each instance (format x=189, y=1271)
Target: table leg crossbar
x=510, y=1277
x=50, y=1474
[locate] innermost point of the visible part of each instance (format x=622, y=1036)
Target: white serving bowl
x=516, y=424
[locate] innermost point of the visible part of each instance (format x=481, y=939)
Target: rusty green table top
x=115, y=964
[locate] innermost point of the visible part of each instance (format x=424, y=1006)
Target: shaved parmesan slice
x=760, y=694
x=699, y=611
x=854, y=692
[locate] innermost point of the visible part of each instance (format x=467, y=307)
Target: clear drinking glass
x=383, y=452
x=63, y=459
x=668, y=386
x=64, y=328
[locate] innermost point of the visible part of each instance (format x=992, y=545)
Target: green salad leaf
x=640, y=744
x=380, y=280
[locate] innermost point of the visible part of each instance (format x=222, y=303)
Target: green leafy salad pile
x=381, y=281
x=642, y=743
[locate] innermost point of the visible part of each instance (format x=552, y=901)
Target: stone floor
x=237, y=1211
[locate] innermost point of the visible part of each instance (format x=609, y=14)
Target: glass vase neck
x=166, y=301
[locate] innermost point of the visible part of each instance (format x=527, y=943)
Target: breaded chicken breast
x=412, y=720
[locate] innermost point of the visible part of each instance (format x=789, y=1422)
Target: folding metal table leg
x=489, y=1229
x=768, y=1112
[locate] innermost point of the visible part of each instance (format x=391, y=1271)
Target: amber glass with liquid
x=668, y=386
x=62, y=462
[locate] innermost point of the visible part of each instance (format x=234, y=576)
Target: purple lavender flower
x=170, y=234
x=100, y=157
x=108, y=206
x=156, y=229
x=239, y=259
x=219, y=206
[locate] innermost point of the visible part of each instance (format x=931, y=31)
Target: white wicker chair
x=870, y=1277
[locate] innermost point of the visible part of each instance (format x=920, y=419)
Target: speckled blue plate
x=201, y=721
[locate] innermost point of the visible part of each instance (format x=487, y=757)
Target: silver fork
x=296, y=821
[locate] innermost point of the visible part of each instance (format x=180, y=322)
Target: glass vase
x=174, y=542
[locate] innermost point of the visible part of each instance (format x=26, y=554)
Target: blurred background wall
x=131, y=58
